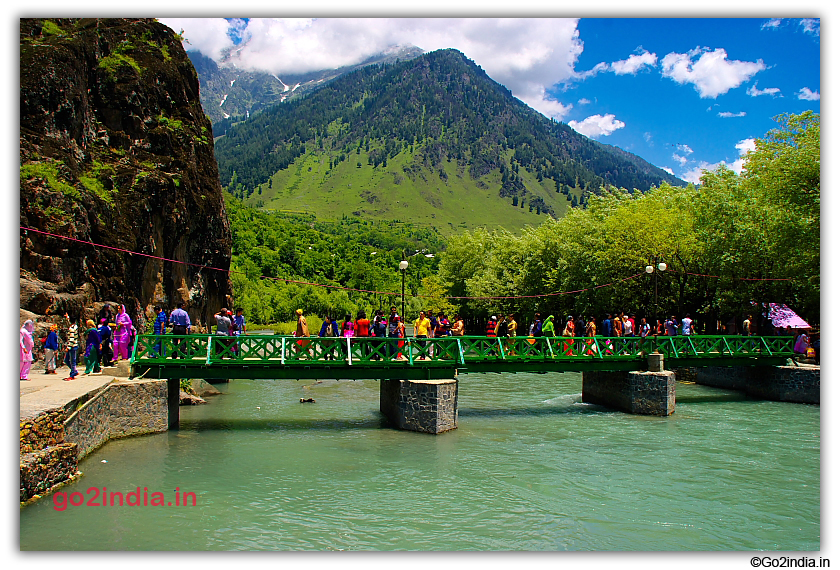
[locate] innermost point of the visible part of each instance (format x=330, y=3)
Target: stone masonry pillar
x=643, y=393
x=428, y=406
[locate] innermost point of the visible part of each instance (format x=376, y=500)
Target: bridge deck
x=276, y=356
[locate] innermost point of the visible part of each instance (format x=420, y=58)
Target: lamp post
x=650, y=269
x=403, y=267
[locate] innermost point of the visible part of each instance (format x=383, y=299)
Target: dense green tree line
x=762, y=224
x=274, y=254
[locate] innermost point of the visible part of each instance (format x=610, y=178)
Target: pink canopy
x=783, y=316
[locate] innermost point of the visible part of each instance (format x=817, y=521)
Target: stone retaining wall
x=644, y=393
x=779, y=383
x=42, y=470
x=123, y=409
x=685, y=374
x=41, y=432
x=728, y=377
x=53, y=443
x=428, y=406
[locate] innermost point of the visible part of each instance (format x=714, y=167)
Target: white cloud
x=695, y=173
x=737, y=166
x=528, y=56
x=754, y=91
x=684, y=148
x=633, y=63
x=808, y=95
x=207, y=35
x=666, y=169
x=745, y=146
x=584, y=101
x=712, y=74
x=597, y=125
x=728, y=115
x=771, y=24
x=681, y=159
x=810, y=26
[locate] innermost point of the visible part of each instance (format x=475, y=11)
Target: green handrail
x=257, y=350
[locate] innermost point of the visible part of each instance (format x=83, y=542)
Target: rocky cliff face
x=115, y=150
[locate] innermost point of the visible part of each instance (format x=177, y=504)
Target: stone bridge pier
x=428, y=406
x=653, y=392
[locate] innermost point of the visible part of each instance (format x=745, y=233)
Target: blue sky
x=704, y=119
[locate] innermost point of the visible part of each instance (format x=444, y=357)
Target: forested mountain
x=230, y=94
x=433, y=139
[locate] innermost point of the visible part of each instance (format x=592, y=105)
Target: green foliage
x=118, y=58
x=762, y=224
x=175, y=125
x=91, y=180
x=50, y=28
x=48, y=172
x=275, y=255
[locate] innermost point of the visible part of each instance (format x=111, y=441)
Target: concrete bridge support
x=428, y=406
x=645, y=393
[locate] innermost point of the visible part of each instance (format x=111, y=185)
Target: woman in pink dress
x=27, y=343
x=122, y=334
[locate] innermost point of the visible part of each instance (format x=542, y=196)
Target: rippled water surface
x=529, y=468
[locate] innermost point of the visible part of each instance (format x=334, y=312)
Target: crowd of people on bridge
x=111, y=340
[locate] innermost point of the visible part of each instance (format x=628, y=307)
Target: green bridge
x=419, y=377
x=276, y=357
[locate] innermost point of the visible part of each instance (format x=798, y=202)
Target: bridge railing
x=450, y=350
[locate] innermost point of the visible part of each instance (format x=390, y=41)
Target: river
x=530, y=468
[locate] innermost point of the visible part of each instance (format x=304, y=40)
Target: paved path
x=44, y=392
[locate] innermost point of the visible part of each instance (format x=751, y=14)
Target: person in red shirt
x=363, y=331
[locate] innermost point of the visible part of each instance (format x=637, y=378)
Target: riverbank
x=63, y=421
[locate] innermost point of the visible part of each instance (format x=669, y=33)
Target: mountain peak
x=432, y=139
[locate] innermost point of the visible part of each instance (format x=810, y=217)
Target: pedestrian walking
x=181, y=325
x=27, y=344
x=92, y=343
x=51, y=349
x=687, y=325
x=106, y=352
x=122, y=336
x=422, y=326
x=71, y=348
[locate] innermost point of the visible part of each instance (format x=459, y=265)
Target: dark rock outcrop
x=116, y=150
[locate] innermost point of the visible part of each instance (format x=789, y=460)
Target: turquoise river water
x=530, y=467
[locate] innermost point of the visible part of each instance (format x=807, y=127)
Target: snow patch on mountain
x=285, y=87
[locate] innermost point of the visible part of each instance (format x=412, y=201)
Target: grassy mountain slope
x=450, y=201
x=432, y=140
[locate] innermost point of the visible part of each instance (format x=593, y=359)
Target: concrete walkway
x=44, y=392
